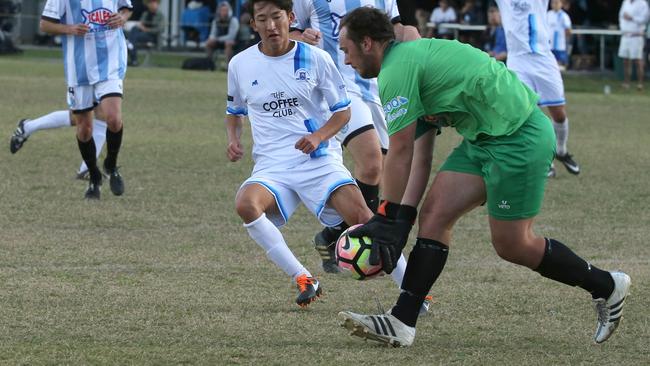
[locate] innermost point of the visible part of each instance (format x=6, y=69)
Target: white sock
x=99, y=135
x=398, y=272
x=269, y=237
x=562, y=136
x=53, y=120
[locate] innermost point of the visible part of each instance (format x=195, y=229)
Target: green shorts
x=513, y=167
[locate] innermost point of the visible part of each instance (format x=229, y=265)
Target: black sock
x=332, y=233
x=113, y=143
x=426, y=261
x=88, y=154
x=563, y=265
x=370, y=194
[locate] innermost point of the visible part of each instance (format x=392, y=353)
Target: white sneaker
x=609, y=311
x=383, y=328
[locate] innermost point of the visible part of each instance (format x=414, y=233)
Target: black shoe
x=326, y=250
x=18, y=138
x=569, y=163
x=115, y=180
x=93, y=192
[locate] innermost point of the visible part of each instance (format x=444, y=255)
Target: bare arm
x=397, y=164
x=309, y=35
x=309, y=143
x=234, y=151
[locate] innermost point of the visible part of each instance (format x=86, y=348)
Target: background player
x=95, y=65
x=559, y=24
x=530, y=57
x=26, y=127
x=502, y=161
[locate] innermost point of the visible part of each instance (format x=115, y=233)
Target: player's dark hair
x=368, y=22
x=286, y=5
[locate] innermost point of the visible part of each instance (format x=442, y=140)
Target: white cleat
x=610, y=311
x=383, y=328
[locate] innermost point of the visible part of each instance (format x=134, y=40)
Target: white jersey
x=638, y=10
x=526, y=27
x=326, y=16
x=286, y=98
x=558, y=23
x=100, y=54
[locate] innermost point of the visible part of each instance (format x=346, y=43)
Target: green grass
x=167, y=275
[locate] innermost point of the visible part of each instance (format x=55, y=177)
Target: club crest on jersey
x=96, y=17
x=302, y=75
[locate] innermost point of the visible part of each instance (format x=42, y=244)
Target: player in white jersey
x=296, y=101
x=559, y=23
x=94, y=53
x=632, y=20
x=57, y=119
x=317, y=22
x=530, y=57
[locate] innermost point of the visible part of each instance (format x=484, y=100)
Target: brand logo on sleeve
x=395, y=108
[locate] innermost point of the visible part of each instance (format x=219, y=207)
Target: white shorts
x=311, y=183
x=83, y=98
x=540, y=73
x=631, y=47
x=365, y=116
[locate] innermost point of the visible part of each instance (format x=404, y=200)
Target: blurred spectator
x=8, y=12
x=559, y=24
x=471, y=14
x=245, y=37
x=195, y=22
x=223, y=33
x=146, y=31
x=442, y=14
x=632, y=19
x=495, y=36
x=423, y=9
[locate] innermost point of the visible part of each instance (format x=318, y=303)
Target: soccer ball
x=353, y=254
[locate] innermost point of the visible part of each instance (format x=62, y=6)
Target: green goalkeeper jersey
x=453, y=84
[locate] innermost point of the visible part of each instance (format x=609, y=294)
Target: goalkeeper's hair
x=368, y=22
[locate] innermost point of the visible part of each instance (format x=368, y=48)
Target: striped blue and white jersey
x=325, y=16
x=558, y=23
x=100, y=54
x=526, y=26
x=285, y=98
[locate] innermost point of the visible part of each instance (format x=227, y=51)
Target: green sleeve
x=399, y=91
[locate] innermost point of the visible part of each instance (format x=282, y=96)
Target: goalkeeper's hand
x=388, y=237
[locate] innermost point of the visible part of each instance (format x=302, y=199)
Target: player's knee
x=114, y=121
x=511, y=249
x=247, y=209
x=369, y=171
x=436, y=218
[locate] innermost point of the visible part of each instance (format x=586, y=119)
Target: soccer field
x=166, y=274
